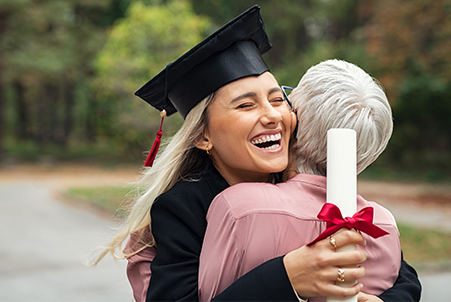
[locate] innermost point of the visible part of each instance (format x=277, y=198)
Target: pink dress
x=251, y=223
x=138, y=267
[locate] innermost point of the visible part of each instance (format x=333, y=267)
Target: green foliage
x=45, y=40
x=303, y=33
x=68, y=69
x=138, y=47
x=422, y=125
x=46, y=54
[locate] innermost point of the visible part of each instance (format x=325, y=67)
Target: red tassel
x=156, y=144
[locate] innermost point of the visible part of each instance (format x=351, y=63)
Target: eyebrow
x=243, y=96
x=253, y=94
x=274, y=90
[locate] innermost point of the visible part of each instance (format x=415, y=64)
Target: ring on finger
x=333, y=242
x=341, y=275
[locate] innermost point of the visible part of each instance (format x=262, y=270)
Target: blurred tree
x=7, y=9
x=303, y=33
x=56, y=88
x=410, y=43
x=47, y=51
x=138, y=47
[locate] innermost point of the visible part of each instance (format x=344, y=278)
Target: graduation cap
x=232, y=52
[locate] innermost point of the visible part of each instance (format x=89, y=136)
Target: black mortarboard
x=232, y=52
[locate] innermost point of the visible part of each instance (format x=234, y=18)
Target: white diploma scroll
x=342, y=181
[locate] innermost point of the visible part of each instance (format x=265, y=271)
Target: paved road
x=43, y=244
x=436, y=287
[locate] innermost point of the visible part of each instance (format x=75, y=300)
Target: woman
x=218, y=87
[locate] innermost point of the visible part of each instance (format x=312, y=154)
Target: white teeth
x=275, y=146
x=268, y=138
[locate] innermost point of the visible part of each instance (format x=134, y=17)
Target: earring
x=208, y=150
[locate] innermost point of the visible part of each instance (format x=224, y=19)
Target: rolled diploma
x=342, y=180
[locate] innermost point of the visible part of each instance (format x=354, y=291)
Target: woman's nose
x=270, y=115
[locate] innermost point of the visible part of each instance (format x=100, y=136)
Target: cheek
x=230, y=139
x=222, y=134
x=289, y=121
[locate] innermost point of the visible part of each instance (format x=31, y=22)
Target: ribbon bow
x=362, y=221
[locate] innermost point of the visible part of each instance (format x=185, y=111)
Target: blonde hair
x=179, y=160
x=338, y=94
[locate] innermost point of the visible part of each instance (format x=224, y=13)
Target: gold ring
x=341, y=275
x=333, y=242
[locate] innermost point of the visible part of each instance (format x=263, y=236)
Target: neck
x=290, y=171
x=233, y=178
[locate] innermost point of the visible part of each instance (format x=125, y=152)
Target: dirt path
x=421, y=204
x=70, y=175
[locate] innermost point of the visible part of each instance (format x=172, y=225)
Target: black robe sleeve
x=267, y=282
x=177, y=235
x=406, y=288
x=178, y=221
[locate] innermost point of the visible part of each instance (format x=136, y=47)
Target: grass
x=419, y=245
x=107, y=198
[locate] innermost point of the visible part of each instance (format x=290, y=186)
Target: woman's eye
x=245, y=105
x=277, y=102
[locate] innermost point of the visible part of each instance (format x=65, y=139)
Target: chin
x=276, y=168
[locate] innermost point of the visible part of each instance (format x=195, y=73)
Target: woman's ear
x=202, y=142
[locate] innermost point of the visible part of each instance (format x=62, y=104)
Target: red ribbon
x=362, y=221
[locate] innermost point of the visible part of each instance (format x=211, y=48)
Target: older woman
x=237, y=129
x=250, y=223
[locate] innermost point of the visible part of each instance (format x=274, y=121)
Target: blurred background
x=68, y=70
x=72, y=133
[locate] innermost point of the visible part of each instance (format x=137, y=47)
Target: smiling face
x=249, y=129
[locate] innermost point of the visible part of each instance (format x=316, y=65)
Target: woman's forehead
x=265, y=82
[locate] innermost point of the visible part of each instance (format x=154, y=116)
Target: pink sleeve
x=383, y=254
x=138, y=267
x=219, y=262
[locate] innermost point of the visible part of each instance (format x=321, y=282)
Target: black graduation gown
x=179, y=224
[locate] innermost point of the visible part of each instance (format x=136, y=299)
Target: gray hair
x=338, y=94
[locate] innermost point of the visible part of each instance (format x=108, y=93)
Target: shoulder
x=208, y=183
x=249, y=190
x=193, y=195
x=240, y=199
x=381, y=214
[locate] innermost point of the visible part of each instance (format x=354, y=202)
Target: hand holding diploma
x=302, y=264
x=342, y=196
